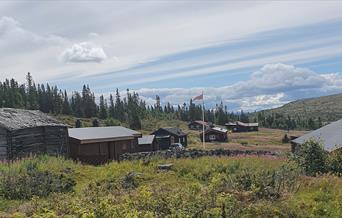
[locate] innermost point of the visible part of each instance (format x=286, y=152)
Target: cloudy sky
x=248, y=54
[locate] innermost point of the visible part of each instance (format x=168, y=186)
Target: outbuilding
x=215, y=134
x=330, y=136
x=27, y=132
x=169, y=135
x=98, y=145
x=147, y=143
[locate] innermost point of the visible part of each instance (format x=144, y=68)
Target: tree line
x=130, y=109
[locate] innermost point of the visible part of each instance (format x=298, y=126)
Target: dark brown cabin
x=147, y=143
x=97, y=145
x=198, y=125
x=242, y=127
x=215, y=134
x=169, y=135
x=27, y=132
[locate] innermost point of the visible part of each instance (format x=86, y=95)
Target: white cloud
x=272, y=86
x=84, y=52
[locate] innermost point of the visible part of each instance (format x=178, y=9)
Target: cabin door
x=111, y=149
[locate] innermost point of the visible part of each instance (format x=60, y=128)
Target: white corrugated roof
x=330, y=136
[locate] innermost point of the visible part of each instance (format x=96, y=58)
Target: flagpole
x=203, y=120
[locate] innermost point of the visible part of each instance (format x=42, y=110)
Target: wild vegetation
x=251, y=186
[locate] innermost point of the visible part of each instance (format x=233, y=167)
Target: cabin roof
x=14, y=119
x=216, y=129
x=146, y=139
x=174, y=131
x=330, y=136
x=239, y=123
x=102, y=134
x=201, y=122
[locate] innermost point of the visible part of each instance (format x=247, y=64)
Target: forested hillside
x=307, y=113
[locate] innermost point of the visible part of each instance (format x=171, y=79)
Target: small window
x=212, y=137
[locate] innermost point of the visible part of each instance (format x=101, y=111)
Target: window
x=212, y=137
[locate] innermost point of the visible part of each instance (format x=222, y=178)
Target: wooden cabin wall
x=3, y=144
x=47, y=140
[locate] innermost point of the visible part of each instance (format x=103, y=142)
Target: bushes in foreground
x=28, y=182
x=313, y=159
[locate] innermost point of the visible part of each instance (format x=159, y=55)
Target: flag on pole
x=200, y=97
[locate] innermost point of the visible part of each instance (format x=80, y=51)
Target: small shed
x=96, y=145
x=215, y=134
x=26, y=132
x=330, y=136
x=169, y=135
x=242, y=127
x=147, y=143
x=198, y=125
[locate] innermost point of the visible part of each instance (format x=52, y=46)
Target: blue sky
x=250, y=55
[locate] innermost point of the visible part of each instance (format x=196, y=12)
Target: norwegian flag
x=200, y=97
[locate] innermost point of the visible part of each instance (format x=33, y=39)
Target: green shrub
x=312, y=158
x=335, y=162
x=32, y=182
x=268, y=184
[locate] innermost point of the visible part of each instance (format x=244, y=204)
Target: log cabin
x=27, y=132
x=215, y=134
x=198, y=125
x=97, y=145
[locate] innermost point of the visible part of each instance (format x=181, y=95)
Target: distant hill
x=328, y=108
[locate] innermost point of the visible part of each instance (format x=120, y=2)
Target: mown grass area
x=264, y=139
x=203, y=187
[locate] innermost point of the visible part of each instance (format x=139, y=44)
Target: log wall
x=38, y=140
x=3, y=144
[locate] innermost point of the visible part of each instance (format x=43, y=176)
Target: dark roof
x=146, y=140
x=330, y=136
x=174, y=131
x=199, y=122
x=102, y=134
x=13, y=119
x=216, y=129
x=239, y=123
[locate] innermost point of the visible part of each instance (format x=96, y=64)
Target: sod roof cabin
x=215, y=134
x=26, y=132
x=97, y=145
x=330, y=136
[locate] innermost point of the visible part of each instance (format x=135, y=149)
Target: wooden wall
x=24, y=142
x=3, y=144
x=101, y=152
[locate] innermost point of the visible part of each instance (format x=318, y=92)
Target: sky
x=250, y=55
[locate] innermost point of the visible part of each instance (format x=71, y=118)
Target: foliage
x=312, y=158
x=25, y=184
x=202, y=187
